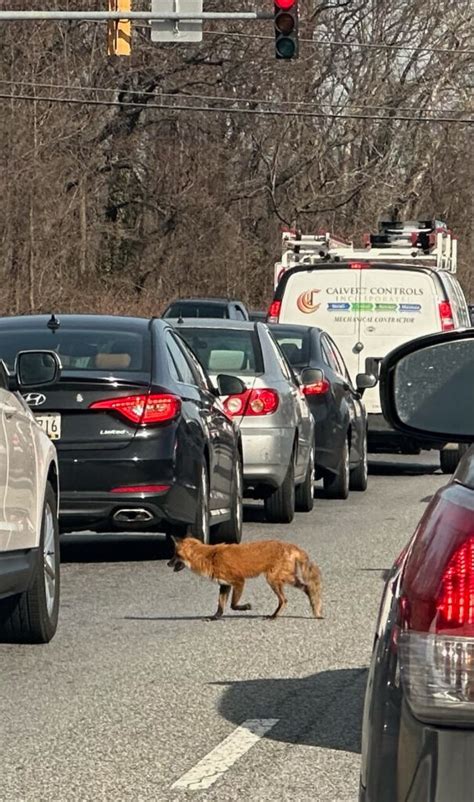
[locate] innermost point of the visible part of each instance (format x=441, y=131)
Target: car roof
x=76, y=321
x=288, y=327
x=205, y=300
x=215, y=323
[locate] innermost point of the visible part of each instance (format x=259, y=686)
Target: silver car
x=273, y=415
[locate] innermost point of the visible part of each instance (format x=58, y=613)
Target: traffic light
x=119, y=32
x=286, y=28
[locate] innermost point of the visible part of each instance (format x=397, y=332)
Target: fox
x=230, y=565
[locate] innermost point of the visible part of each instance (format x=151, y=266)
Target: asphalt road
x=138, y=687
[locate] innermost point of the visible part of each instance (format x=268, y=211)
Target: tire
x=231, y=531
x=200, y=528
x=359, y=476
x=280, y=504
x=336, y=485
x=32, y=616
x=450, y=458
x=304, y=493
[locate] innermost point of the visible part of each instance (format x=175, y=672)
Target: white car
x=29, y=498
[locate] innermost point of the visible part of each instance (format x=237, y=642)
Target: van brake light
x=359, y=265
x=446, y=316
x=273, y=313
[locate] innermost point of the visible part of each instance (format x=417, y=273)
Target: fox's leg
x=224, y=591
x=277, y=588
x=236, y=594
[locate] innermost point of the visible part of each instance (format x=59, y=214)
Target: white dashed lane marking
x=225, y=754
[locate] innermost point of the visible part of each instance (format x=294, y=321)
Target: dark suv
x=143, y=440
x=208, y=308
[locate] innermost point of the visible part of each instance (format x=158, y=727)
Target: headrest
x=291, y=351
x=112, y=361
x=226, y=360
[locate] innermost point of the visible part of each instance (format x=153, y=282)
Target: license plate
x=51, y=424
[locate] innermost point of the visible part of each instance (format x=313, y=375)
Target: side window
x=340, y=361
x=179, y=366
x=328, y=355
x=200, y=375
x=464, y=317
x=281, y=359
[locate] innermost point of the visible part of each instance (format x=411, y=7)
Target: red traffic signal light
x=286, y=28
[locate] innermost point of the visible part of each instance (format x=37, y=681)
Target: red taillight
x=446, y=316
x=253, y=402
x=436, y=610
x=274, y=312
x=141, y=489
x=359, y=265
x=143, y=409
x=318, y=388
x=455, y=602
x=439, y=575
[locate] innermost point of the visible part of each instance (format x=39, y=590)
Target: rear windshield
x=231, y=351
x=294, y=344
x=196, y=310
x=83, y=349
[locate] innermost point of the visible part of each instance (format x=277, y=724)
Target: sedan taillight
x=436, y=640
x=143, y=409
x=318, y=388
x=260, y=401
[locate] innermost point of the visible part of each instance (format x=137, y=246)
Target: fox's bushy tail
x=312, y=582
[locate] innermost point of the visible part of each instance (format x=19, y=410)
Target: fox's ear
x=176, y=541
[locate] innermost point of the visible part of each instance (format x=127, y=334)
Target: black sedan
x=418, y=726
x=338, y=410
x=143, y=440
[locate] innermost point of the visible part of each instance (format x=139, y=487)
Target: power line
x=213, y=98
x=259, y=112
x=345, y=43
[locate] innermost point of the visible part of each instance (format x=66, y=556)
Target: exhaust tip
x=132, y=516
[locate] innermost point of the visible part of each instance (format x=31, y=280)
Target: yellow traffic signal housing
x=119, y=32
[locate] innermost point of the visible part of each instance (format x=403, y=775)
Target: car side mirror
x=364, y=381
x=311, y=376
x=427, y=386
x=229, y=385
x=37, y=368
x=372, y=366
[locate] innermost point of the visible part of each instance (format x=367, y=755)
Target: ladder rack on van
x=300, y=248
x=429, y=242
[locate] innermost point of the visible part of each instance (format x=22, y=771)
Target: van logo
x=34, y=399
x=306, y=302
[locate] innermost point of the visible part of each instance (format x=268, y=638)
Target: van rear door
x=397, y=305
x=367, y=309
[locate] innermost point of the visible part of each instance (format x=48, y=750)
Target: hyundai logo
x=34, y=399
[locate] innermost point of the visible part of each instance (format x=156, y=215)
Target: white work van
x=370, y=306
